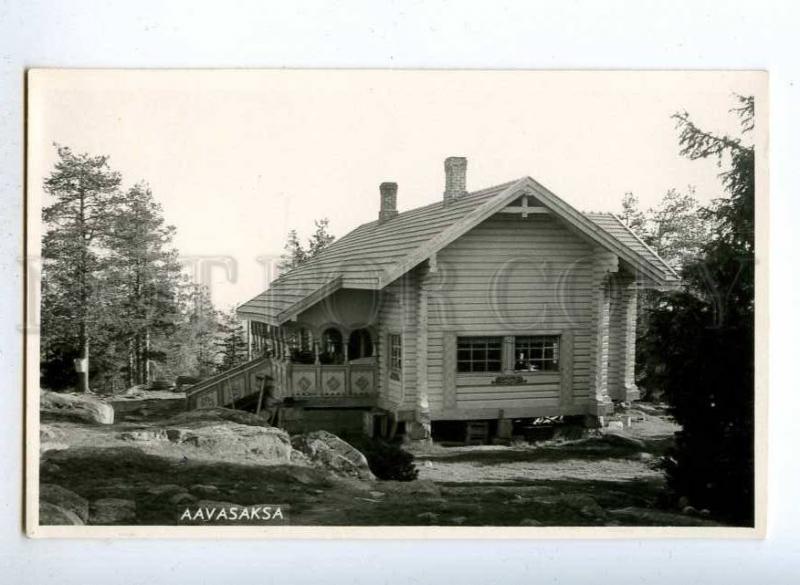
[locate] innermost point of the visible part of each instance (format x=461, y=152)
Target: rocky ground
x=149, y=473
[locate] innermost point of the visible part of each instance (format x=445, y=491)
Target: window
x=479, y=354
x=395, y=356
x=331, y=347
x=359, y=345
x=536, y=353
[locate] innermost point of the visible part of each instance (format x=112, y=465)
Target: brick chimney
x=388, y=202
x=455, y=178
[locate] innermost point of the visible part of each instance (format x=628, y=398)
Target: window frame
x=555, y=349
x=486, y=360
x=395, y=342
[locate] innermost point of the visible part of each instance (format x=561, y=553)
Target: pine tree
x=632, y=216
x=320, y=239
x=85, y=194
x=295, y=254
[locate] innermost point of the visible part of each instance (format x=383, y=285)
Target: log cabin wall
x=397, y=316
x=512, y=276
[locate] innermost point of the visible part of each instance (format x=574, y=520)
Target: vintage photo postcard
x=462, y=304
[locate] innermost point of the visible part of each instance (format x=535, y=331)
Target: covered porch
x=330, y=365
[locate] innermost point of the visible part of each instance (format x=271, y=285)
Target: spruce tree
x=232, y=342
x=700, y=341
x=144, y=275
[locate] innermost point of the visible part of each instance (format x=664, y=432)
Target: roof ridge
x=373, y=254
x=315, y=259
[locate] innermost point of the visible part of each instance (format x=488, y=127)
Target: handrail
x=216, y=378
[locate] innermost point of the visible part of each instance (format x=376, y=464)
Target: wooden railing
x=351, y=380
x=348, y=383
x=226, y=388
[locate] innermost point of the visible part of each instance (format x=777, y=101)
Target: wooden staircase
x=243, y=382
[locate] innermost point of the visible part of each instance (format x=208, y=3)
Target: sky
x=238, y=158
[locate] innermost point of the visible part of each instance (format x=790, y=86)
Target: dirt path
x=629, y=455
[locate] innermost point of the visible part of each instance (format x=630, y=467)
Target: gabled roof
x=375, y=254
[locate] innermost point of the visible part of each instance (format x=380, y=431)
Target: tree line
x=117, y=309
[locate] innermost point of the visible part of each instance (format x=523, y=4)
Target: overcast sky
x=239, y=158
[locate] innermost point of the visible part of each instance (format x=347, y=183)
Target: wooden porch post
x=421, y=428
x=248, y=327
x=604, y=262
x=629, y=299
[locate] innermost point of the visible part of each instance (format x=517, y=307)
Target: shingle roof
x=374, y=254
x=614, y=226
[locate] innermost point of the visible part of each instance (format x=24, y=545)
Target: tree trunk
x=146, y=364
x=83, y=335
x=131, y=364
x=83, y=368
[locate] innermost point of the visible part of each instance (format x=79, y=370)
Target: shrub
x=388, y=461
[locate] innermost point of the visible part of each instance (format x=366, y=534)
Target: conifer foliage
x=699, y=345
x=296, y=254
x=84, y=194
x=113, y=295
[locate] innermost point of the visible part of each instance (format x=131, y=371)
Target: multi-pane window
x=536, y=353
x=480, y=354
x=395, y=355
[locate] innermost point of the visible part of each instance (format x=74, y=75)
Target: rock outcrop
x=327, y=451
x=65, y=499
x=51, y=439
x=84, y=408
x=52, y=515
x=147, y=405
x=217, y=433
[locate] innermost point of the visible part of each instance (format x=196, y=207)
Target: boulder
x=216, y=434
x=66, y=499
x=234, y=440
x=51, y=439
x=53, y=515
x=112, y=511
x=326, y=450
x=84, y=408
